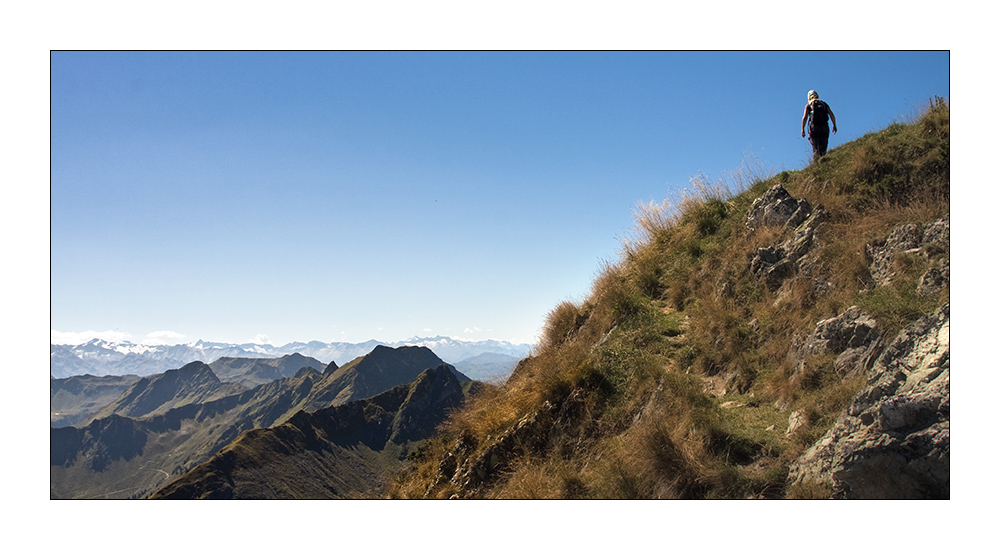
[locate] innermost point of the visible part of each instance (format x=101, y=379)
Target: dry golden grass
x=651, y=429
x=544, y=479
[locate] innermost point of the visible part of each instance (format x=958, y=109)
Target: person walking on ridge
x=816, y=113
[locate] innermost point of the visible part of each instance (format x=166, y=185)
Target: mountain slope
x=192, y=383
x=79, y=398
x=379, y=370
x=334, y=452
x=252, y=372
x=119, y=457
x=738, y=334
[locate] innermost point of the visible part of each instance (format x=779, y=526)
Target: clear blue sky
x=348, y=196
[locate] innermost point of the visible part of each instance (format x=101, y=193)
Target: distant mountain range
x=343, y=451
x=166, y=424
x=102, y=358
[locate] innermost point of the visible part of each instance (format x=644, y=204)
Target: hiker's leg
x=815, y=146
x=821, y=139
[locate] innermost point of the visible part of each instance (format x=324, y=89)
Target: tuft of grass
x=562, y=323
x=898, y=304
x=810, y=491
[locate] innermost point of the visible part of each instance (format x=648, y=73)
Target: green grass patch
x=896, y=305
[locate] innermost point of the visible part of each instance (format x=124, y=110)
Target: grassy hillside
x=675, y=377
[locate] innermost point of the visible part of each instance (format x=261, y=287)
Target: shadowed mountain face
x=135, y=456
x=376, y=372
x=192, y=383
x=106, y=440
x=79, y=398
x=334, y=452
x=174, y=441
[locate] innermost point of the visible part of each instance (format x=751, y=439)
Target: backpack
x=819, y=113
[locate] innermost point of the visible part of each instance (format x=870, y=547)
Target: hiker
x=817, y=112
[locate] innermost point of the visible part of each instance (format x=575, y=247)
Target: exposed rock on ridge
x=774, y=264
x=910, y=239
x=853, y=335
x=552, y=426
x=777, y=207
x=894, y=439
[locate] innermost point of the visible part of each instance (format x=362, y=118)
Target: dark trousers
x=819, y=136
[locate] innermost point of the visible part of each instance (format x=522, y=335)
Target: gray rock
x=851, y=329
x=905, y=239
x=938, y=232
x=853, y=335
x=530, y=433
x=894, y=439
x=935, y=279
x=795, y=421
x=774, y=264
x=776, y=208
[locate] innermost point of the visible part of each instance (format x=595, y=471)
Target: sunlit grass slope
x=673, y=378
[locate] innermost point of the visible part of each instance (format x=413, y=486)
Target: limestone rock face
x=894, y=439
x=774, y=264
x=908, y=239
x=853, y=335
x=935, y=279
x=777, y=208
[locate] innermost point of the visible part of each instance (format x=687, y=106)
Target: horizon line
x=79, y=338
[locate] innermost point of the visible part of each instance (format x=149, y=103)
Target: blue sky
x=346, y=196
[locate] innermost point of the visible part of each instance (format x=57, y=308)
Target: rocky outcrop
x=894, y=439
x=773, y=264
x=530, y=433
x=935, y=279
x=853, y=336
x=911, y=239
x=777, y=208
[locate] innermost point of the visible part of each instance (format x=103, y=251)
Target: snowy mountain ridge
x=101, y=357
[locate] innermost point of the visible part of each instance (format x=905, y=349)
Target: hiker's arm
x=805, y=115
x=833, y=119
